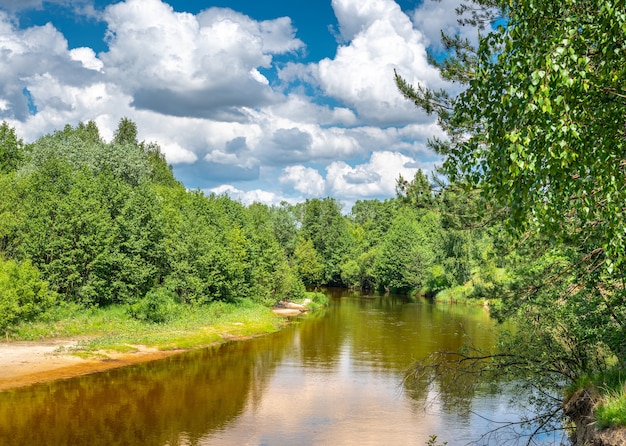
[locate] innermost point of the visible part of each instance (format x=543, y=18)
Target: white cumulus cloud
x=306, y=180
x=380, y=39
x=432, y=17
x=249, y=197
x=204, y=66
x=225, y=109
x=375, y=178
x=87, y=57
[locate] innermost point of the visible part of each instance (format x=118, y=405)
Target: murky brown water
x=329, y=380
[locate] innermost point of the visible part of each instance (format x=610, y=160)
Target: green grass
x=611, y=385
x=611, y=412
x=113, y=329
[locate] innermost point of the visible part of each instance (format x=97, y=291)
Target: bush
x=318, y=300
x=24, y=296
x=437, y=279
x=157, y=306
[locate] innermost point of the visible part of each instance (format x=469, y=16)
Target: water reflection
x=144, y=404
x=331, y=379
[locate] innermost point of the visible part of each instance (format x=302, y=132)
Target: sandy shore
x=26, y=363
x=23, y=363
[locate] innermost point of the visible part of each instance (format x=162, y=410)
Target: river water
x=331, y=379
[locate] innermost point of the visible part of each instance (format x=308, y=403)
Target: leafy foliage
x=539, y=131
x=323, y=224
x=157, y=306
x=308, y=262
x=23, y=294
x=408, y=251
x=11, y=149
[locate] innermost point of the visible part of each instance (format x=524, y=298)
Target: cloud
x=361, y=176
x=207, y=173
x=380, y=38
x=203, y=65
x=82, y=8
x=176, y=154
x=286, y=146
x=19, y=5
x=356, y=16
x=306, y=180
x=87, y=57
x=376, y=178
x=25, y=52
x=201, y=86
x=432, y=17
x=249, y=197
x=299, y=108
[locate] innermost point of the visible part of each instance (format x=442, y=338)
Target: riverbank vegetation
x=538, y=131
x=104, y=226
x=111, y=328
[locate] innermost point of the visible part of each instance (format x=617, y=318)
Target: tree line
x=99, y=223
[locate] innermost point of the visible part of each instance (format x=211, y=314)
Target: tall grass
x=611, y=412
x=456, y=294
x=611, y=385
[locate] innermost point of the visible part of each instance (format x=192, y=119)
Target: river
x=331, y=379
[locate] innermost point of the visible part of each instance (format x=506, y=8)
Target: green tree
x=81, y=148
x=139, y=262
x=206, y=248
x=67, y=231
x=540, y=125
x=410, y=248
x=374, y=217
x=11, y=212
x=308, y=262
x=323, y=224
x=11, y=149
x=160, y=172
x=126, y=133
x=370, y=220
x=285, y=224
x=417, y=192
x=273, y=278
x=539, y=130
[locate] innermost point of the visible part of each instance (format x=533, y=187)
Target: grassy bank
x=610, y=386
x=112, y=328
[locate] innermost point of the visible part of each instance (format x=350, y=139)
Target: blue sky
x=266, y=101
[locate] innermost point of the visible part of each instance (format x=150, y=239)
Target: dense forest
x=101, y=223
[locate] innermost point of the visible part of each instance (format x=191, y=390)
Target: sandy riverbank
x=25, y=363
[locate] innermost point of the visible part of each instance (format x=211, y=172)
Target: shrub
x=318, y=300
x=157, y=306
x=23, y=294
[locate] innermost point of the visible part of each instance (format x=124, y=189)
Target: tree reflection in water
x=336, y=377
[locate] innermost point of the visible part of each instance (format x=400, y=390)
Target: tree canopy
x=540, y=124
